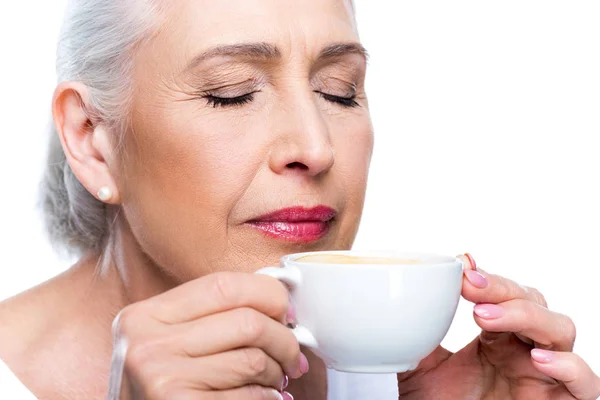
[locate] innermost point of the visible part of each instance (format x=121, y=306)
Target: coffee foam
x=349, y=259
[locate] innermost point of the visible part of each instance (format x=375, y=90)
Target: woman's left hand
x=524, y=350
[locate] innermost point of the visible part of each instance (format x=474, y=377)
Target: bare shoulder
x=58, y=326
x=21, y=318
x=27, y=317
x=21, y=321
x=32, y=333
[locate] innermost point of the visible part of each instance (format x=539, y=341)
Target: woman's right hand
x=222, y=336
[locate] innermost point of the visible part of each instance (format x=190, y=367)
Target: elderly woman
x=197, y=141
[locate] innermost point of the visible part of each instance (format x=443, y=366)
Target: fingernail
x=476, y=279
x=471, y=261
x=303, y=365
x=488, y=311
x=291, y=313
x=285, y=383
x=274, y=394
x=542, y=356
x=287, y=396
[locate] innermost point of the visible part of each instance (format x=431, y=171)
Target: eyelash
x=215, y=101
x=347, y=102
x=229, y=101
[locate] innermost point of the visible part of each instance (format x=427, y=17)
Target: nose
x=303, y=143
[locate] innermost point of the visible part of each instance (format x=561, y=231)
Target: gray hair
x=96, y=47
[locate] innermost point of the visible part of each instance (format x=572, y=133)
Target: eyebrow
x=341, y=49
x=268, y=51
x=264, y=51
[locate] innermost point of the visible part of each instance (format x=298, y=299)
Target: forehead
x=291, y=25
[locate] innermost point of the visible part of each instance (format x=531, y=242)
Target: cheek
x=353, y=144
x=354, y=148
x=195, y=160
x=184, y=178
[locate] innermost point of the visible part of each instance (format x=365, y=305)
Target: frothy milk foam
x=346, y=259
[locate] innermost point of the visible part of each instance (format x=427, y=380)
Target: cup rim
x=426, y=259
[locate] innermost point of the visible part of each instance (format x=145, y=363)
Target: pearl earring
x=105, y=194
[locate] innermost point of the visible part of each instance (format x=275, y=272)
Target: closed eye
x=216, y=101
x=342, y=101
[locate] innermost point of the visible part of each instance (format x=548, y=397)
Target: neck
x=125, y=262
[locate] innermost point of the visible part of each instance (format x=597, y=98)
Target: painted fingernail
x=287, y=396
x=542, y=356
x=471, y=261
x=476, y=279
x=285, y=383
x=291, y=313
x=488, y=311
x=303, y=365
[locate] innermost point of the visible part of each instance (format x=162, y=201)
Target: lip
x=296, y=224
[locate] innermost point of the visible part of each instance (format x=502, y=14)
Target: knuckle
x=161, y=387
x=224, y=286
x=537, y=296
x=147, y=368
x=505, y=289
x=569, y=329
x=128, y=320
x=144, y=353
x=523, y=311
x=139, y=343
x=512, y=289
x=280, y=299
x=252, y=325
x=139, y=357
x=255, y=361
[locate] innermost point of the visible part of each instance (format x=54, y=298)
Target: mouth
x=296, y=224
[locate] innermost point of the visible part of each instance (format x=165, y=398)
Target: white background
x=487, y=116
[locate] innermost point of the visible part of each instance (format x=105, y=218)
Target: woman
x=196, y=142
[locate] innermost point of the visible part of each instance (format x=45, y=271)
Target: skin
x=187, y=177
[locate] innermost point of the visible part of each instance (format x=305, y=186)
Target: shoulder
x=24, y=322
x=20, y=321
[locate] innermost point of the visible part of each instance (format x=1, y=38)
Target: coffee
x=350, y=259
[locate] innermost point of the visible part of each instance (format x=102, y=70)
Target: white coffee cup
x=372, y=317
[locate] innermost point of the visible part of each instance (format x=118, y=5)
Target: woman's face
x=240, y=109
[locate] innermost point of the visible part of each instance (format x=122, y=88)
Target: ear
x=86, y=143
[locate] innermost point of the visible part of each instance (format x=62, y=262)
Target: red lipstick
x=296, y=224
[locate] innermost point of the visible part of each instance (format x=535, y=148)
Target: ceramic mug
x=371, y=312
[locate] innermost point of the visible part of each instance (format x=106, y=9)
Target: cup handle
x=292, y=277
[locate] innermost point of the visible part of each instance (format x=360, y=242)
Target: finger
x=468, y=262
x=569, y=368
x=239, y=328
x=481, y=287
x=252, y=392
x=549, y=329
x=232, y=369
x=200, y=378
x=221, y=292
